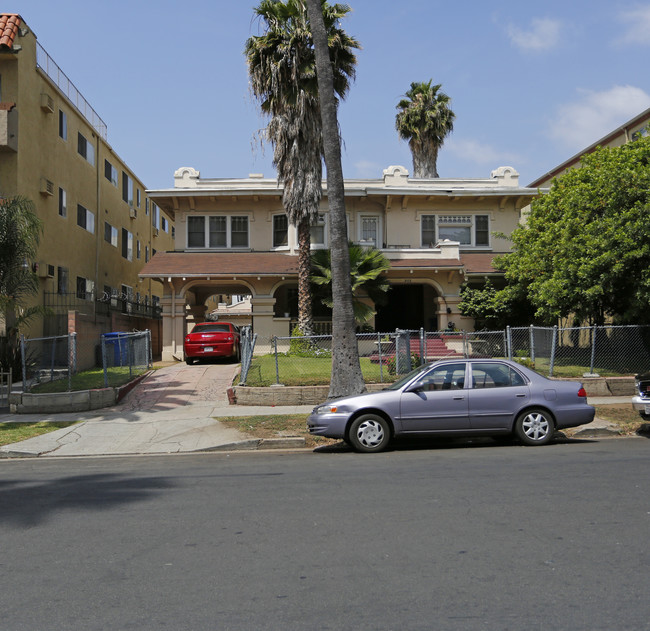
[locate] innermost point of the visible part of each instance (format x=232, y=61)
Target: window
x=63, y=125
x=138, y=251
x=127, y=298
x=146, y=253
x=137, y=197
x=127, y=244
x=146, y=206
x=446, y=377
x=85, y=218
x=495, y=376
x=318, y=230
x=174, y=232
x=110, y=234
x=155, y=215
x=369, y=230
x=110, y=172
x=62, y=280
x=468, y=230
x=85, y=288
x=280, y=231
x=217, y=232
x=127, y=189
x=63, y=203
x=85, y=148
x=165, y=224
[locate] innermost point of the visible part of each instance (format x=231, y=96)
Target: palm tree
x=425, y=120
x=282, y=71
x=20, y=231
x=347, y=377
x=367, y=267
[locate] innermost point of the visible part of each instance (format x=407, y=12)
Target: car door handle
x=520, y=396
x=458, y=398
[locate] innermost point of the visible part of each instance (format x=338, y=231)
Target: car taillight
x=582, y=392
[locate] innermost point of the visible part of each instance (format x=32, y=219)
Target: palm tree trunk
x=346, y=370
x=305, y=317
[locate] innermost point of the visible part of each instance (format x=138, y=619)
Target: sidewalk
x=174, y=410
x=171, y=411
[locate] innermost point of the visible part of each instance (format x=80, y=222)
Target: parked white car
x=641, y=401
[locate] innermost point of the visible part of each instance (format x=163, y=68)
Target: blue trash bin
x=119, y=342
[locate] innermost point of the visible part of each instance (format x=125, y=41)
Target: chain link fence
x=63, y=363
x=551, y=351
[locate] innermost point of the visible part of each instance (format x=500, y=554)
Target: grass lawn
x=305, y=371
x=277, y=425
x=15, y=432
x=88, y=380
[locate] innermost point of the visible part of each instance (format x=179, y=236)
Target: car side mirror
x=417, y=386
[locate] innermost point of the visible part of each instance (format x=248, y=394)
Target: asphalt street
x=455, y=535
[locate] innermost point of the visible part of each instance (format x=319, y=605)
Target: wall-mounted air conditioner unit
x=47, y=103
x=133, y=213
x=47, y=187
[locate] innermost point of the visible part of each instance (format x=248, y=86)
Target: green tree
x=584, y=250
x=347, y=377
x=367, y=268
x=282, y=70
x=425, y=119
x=20, y=232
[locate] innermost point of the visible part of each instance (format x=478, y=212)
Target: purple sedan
x=467, y=397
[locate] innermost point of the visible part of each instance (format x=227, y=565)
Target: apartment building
x=100, y=226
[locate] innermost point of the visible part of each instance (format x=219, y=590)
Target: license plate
x=208, y=349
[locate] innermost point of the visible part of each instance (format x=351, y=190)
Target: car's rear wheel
x=189, y=360
x=369, y=433
x=534, y=427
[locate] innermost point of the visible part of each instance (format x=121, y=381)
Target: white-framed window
x=85, y=219
x=155, y=215
x=127, y=244
x=280, y=231
x=85, y=148
x=319, y=231
x=110, y=173
x=63, y=202
x=110, y=234
x=138, y=249
x=137, y=197
x=468, y=230
x=369, y=230
x=127, y=189
x=165, y=224
x=217, y=231
x=85, y=288
x=63, y=125
x=146, y=205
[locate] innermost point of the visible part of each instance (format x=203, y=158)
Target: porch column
x=173, y=329
x=262, y=317
x=194, y=314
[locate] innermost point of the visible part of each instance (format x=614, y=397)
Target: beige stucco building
x=232, y=237
x=100, y=227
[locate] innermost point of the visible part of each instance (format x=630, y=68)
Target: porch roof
x=241, y=264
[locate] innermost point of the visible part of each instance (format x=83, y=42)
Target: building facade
x=232, y=237
x=99, y=225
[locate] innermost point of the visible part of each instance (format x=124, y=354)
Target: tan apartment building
x=100, y=227
x=232, y=237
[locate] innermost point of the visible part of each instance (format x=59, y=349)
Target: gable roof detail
x=9, y=25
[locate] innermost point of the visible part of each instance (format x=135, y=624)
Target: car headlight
x=328, y=408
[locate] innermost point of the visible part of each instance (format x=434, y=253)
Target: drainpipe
x=98, y=230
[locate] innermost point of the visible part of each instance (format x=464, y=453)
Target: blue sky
x=531, y=83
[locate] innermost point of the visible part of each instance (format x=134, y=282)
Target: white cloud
x=578, y=125
x=638, y=26
x=544, y=34
x=479, y=153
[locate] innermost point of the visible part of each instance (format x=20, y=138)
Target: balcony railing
x=103, y=304
x=52, y=70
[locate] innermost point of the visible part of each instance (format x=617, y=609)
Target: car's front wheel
x=534, y=427
x=369, y=433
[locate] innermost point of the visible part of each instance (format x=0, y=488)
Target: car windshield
x=406, y=378
x=211, y=328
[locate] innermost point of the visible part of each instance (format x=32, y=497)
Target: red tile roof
x=9, y=23
x=219, y=264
